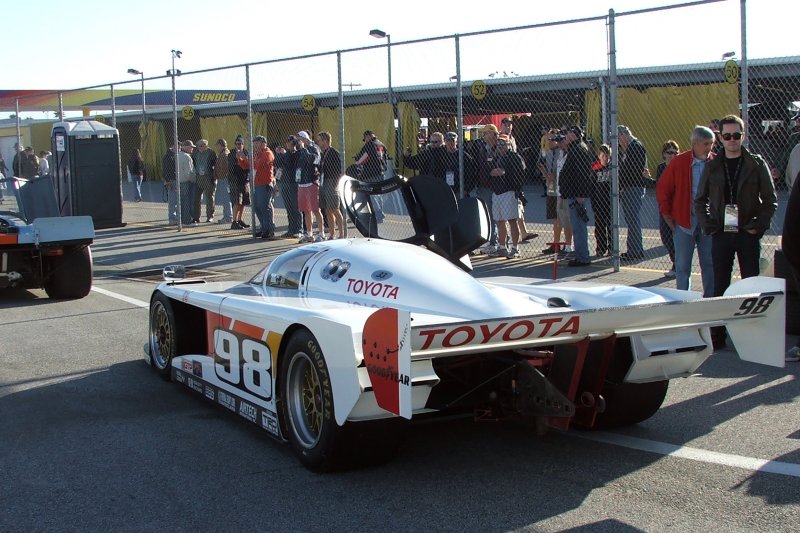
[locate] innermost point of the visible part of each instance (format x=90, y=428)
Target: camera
x=580, y=210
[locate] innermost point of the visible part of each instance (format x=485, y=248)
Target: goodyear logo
x=214, y=97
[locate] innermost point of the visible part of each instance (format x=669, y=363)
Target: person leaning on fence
x=330, y=167
x=632, y=182
x=601, y=200
x=505, y=180
x=286, y=158
x=221, y=175
x=136, y=173
x=575, y=184
x=206, y=185
x=263, y=186
x=483, y=152
x=239, y=183
x=308, y=161
x=676, y=188
x=734, y=204
x=668, y=153
x=430, y=160
x=168, y=169
x=186, y=177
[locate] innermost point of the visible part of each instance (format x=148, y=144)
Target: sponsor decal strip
x=251, y=412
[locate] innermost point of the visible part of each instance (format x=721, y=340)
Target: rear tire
x=69, y=276
x=630, y=403
x=163, y=335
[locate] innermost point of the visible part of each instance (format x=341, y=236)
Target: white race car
x=334, y=344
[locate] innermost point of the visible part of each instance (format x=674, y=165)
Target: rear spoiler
x=752, y=309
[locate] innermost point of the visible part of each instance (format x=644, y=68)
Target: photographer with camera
x=505, y=181
x=575, y=184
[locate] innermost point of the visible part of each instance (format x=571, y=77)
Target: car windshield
x=284, y=272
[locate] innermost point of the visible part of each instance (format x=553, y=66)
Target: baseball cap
x=368, y=132
x=577, y=131
x=260, y=138
x=451, y=135
x=303, y=135
x=188, y=142
x=490, y=127
x=508, y=120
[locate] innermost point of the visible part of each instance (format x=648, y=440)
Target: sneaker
x=670, y=273
x=570, y=256
x=528, y=236
x=500, y=251
x=243, y=224
x=210, y=220
x=235, y=225
x=305, y=238
x=793, y=354
x=549, y=250
x=486, y=249
x=513, y=253
x=318, y=238
x=192, y=224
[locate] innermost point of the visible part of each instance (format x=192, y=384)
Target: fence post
x=612, y=123
x=744, y=80
x=251, y=156
x=113, y=108
x=460, y=118
x=342, y=155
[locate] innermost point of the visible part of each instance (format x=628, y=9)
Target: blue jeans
x=631, y=200
x=262, y=205
x=580, y=230
x=187, y=202
x=485, y=194
x=684, y=252
x=224, y=197
x=137, y=187
x=172, y=202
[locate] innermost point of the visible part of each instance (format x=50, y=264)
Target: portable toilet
x=87, y=171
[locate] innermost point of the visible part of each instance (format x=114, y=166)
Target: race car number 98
x=754, y=306
x=245, y=363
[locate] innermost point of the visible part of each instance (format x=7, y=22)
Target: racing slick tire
x=307, y=410
x=69, y=276
x=163, y=335
x=630, y=403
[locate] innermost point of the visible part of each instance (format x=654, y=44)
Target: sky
x=61, y=44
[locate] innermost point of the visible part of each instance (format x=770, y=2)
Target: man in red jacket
x=675, y=191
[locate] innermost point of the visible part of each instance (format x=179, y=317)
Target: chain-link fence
x=583, y=88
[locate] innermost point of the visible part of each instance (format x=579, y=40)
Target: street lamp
x=380, y=34
x=135, y=72
x=172, y=73
x=728, y=55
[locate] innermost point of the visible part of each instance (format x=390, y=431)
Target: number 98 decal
x=754, y=306
x=243, y=362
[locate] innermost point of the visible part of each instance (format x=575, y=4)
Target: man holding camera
x=575, y=185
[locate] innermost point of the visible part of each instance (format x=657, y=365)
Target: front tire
x=163, y=335
x=69, y=276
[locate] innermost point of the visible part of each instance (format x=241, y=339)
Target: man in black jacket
x=791, y=248
x=505, y=180
x=575, y=185
x=734, y=204
x=632, y=185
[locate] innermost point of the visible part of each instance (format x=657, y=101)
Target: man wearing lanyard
x=734, y=204
x=676, y=190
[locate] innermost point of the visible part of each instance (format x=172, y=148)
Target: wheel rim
x=304, y=400
x=161, y=338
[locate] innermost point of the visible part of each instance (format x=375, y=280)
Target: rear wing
x=752, y=309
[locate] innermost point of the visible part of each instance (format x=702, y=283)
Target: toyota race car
x=39, y=248
x=334, y=344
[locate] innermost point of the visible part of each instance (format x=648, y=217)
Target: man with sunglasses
x=734, y=204
x=675, y=190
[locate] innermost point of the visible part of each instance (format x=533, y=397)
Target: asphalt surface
x=92, y=440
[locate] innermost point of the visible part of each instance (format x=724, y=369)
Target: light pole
x=172, y=73
x=140, y=73
x=380, y=34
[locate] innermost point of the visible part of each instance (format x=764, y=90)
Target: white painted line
x=694, y=454
x=122, y=297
